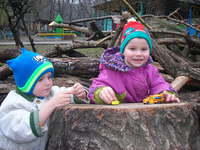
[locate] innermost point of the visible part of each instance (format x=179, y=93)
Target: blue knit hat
x=28, y=68
x=133, y=30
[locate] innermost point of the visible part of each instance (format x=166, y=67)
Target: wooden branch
x=117, y=33
x=135, y=14
x=172, y=19
x=179, y=82
x=171, y=33
x=72, y=27
x=171, y=41
x=174, y=12
x=101, y=41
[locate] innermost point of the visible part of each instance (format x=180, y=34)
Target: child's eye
x=40, y=79
x=144, y=49
x=132, y=48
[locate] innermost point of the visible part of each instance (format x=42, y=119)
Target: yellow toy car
x=154, y=99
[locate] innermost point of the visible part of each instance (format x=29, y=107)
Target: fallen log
x=4, y=72
x=82, y=67
x=158, y=126
x=6, y=54
x=76, y=44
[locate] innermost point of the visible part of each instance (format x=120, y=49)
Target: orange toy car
x=154, y=99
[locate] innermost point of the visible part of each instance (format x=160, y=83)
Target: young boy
x=126, y=73
x=25, y=111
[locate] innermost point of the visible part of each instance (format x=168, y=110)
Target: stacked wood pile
x=176, y=53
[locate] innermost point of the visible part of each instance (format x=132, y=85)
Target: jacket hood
x=113, y=59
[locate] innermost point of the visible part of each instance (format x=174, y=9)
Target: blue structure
x=191, y=31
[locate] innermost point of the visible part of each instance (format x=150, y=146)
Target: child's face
x=136, y=52
x=43, y=86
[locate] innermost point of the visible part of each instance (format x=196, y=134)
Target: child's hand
x=107, y=95
x=170, y=97
x=62, y=98
x=79, y=91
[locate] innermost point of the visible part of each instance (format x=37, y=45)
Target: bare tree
x=15, y=11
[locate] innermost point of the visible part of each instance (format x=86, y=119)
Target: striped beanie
x=28, y=68
x=134, y=29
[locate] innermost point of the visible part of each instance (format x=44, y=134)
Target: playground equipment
x=63, y=33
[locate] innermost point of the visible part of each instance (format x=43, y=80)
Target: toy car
x=154, y=99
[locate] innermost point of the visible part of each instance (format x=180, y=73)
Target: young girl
x=25, y=111
x=126, y=73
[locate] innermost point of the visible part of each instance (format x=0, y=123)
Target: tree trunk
x=143, y=127
x=28, y=34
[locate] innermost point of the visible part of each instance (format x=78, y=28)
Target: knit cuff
x=170, y=92
x=34, y=123
x=81, y=101
x=97, y=99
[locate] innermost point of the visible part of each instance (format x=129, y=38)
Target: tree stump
x=125, y=127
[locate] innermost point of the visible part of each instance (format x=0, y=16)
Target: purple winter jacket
x=135, y=83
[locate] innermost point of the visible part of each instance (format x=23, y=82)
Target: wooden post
x=179, y=82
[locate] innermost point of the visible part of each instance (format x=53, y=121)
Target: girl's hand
x=107, y=95
x=170, y=97
x=79, y=91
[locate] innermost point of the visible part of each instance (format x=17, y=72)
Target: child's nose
x=138, y=52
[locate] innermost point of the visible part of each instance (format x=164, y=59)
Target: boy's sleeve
x=21, y=126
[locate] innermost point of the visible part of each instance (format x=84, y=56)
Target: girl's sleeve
x=157, y=82
x=21, y=126
x=102, y=80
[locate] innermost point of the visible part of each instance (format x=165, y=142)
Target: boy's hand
x=170, y=97
x=62, y=98
x=107, y=95
x=79, y=91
